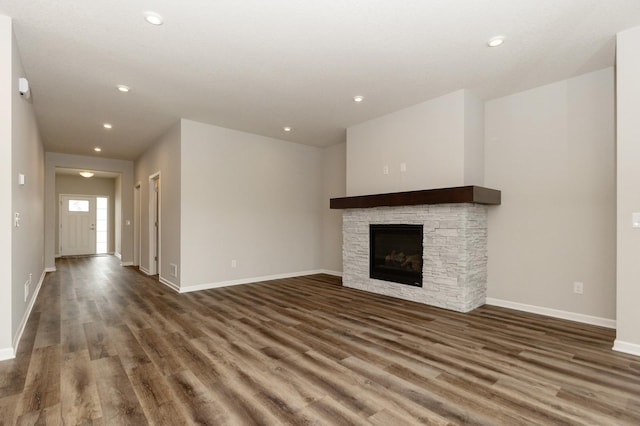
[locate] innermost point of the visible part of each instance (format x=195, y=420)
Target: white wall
x=78, y=185
x=21, y=248
x=440, y=140
x=247, y=198
x=163, y=157
x=473, y=140
x=6, y=187
x=55, y=160
x=628, y=194
x=551, y=151
x=334, y=175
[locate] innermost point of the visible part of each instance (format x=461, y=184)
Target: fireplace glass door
x=396, y=253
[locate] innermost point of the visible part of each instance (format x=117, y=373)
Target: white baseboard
x=626, y=347
x=219, y=284
x=555, y=313
x=27, y=313
x=7, y=353
x=329, y=272
x=126, y=263
x=118, y=255
x=145, y=270
x=50, y=269
x=173, y=286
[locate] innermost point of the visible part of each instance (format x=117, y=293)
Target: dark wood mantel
x=460, y=194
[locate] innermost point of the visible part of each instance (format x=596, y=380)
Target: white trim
x=137, y=222
x=50, y=269
x=27, y=313
x=173, y=286
x=145, y=270
x=626, y=347
x=7, y=353
x=330, y=272
x=126, y=263
x=555, y=313
x=155, y=245
x=118, y=255
x=208, y=286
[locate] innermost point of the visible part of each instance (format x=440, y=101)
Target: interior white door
x=77, y=225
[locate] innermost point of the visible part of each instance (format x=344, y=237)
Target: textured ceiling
x=258, y=65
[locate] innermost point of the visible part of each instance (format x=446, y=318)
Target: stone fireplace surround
x=454, y=243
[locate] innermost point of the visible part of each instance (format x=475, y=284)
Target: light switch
x=21, y=179
x=635, y=220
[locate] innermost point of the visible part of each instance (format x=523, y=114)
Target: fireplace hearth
x=395, y=253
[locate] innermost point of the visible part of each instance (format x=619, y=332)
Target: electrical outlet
x=385, y=170
x=234, y=263
x=578, y=287
x=403, y=167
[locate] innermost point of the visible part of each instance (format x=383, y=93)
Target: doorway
x=83, y=225
x=137, y=234
x=154, y=224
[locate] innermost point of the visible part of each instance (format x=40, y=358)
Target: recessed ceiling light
x=358, y=98
x=153, y=18
x=495, y=41
x=122, y=88
x=86, y=174
x=97, y=149
x=286, y=128
x=107, y=126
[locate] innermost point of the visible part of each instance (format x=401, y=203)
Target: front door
x=77, y=225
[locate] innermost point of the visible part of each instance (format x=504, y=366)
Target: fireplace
x=396, y=253
x=453, y=240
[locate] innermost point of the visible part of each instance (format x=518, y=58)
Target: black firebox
x=396, y=253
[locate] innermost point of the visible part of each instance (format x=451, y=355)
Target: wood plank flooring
x=108, y=345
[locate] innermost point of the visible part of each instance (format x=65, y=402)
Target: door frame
x=137, y=224
x=155, y=245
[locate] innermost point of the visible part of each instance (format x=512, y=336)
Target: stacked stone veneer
x=454, y=274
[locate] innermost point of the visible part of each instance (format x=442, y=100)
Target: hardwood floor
x=107, y=345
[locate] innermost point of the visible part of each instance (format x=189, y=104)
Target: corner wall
x=473, y=140
x=6, y=188
x=551, y=150
x=248, y=198
x=21, y=247
x=162, y=157
x=628, y=194
x=334, y=175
